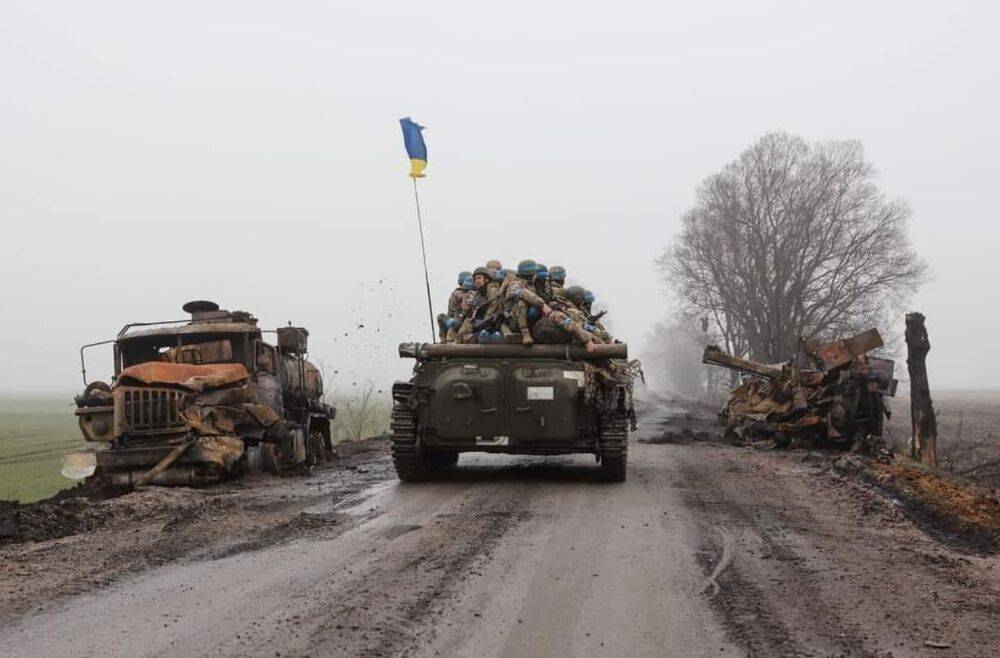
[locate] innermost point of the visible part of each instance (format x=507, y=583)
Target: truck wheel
x=614, y=450
x=407, y=456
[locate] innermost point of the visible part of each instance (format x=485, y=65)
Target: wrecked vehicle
x=201, y=400
x=539, y=400
x=830, y=395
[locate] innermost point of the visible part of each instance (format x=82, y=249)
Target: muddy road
x=706, y=550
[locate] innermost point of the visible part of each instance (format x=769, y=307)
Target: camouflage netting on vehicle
x=611, y=383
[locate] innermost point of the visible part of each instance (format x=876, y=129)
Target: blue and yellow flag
x=415, y=147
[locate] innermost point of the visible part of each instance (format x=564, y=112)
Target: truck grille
x=148, y=409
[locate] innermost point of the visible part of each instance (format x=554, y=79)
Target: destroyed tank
x=201, y=400
x=502, y=398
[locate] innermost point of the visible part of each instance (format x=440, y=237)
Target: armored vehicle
x=501, y=398
x=200, y=400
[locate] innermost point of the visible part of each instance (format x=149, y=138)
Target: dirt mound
x=957, y=512
x=66, y=514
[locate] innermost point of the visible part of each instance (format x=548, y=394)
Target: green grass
x=34, y=432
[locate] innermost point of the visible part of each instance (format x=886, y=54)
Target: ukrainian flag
x=415, y=147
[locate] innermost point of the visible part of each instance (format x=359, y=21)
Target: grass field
x=34, y=432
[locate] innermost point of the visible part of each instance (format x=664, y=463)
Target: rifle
x=491, y=324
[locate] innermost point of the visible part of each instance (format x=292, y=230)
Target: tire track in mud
x=388, y=600
x=759, y=579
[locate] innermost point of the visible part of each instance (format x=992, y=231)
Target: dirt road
x=707, y=550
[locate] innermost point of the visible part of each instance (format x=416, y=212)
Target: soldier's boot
x=526, y=338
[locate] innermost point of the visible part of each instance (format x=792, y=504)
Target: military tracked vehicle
x=199, y=400
x=500, y=398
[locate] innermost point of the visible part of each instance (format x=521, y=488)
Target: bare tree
x=361, y=415
x=792, y=240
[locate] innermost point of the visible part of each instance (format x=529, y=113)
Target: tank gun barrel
x=717, y=357
x=423, y=351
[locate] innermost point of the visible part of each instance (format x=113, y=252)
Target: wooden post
x=921, y=408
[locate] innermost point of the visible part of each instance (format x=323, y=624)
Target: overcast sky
x=250, y=153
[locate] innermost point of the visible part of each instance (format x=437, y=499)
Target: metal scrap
x=832, y=394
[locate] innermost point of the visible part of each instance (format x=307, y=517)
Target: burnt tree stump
x=924, y=422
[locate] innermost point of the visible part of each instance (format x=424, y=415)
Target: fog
x=249, y=153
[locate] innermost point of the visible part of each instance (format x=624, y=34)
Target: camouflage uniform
x=518, y=296
x=477, y=307
x=485, y=307
x=568, y=318
x=557, y=281
x=559, y=328
x=494, y=298
x=454, y=312
x=598, y=328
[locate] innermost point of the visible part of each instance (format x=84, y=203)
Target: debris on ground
x=953, y=510
x=831, y=395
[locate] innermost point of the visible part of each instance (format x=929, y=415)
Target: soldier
x=468, y=297
x=542, y=284
x=595, y=319
x=576, y=308
x=519, y=296
x=454, y=306
x=566, y=322
x=478, y=316
x=557, y=281
x=557, y=327
x=557, y=276
x=494, y=295
x=571, y=306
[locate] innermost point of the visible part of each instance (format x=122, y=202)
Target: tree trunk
x=924, y=421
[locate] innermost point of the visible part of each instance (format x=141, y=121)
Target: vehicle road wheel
x=614, y=449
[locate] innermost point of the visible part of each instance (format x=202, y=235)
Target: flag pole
x=423, y=252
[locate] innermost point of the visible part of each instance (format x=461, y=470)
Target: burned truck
x=201, y=400
x=503, y=398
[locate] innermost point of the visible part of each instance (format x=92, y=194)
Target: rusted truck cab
x=540, y=400
x=200, y=400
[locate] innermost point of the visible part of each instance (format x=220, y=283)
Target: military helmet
x=575, y=294
x=542, y=273
x=468, y=283
x=482, y=270
x=527, y=268
x=494, y=264
x=557, y=273
x=463, y=275
x=588, y=297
